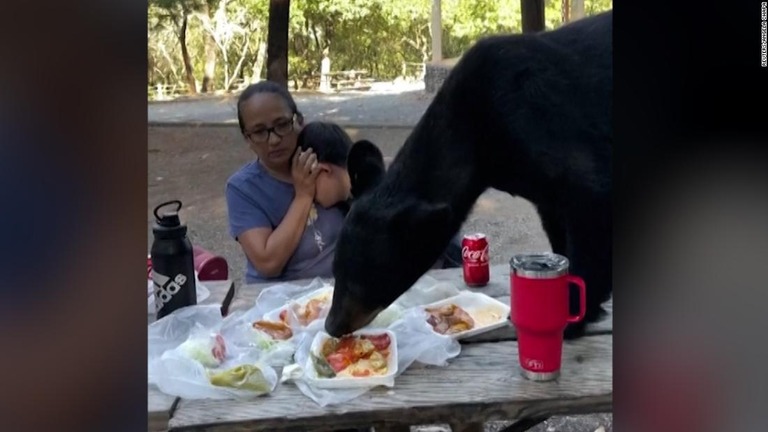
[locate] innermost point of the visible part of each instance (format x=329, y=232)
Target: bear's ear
x=365, y=165
x=422, y=215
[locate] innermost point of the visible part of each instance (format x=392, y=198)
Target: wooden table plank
x=160, y=406
x=482, y=384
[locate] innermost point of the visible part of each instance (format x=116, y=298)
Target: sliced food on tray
x=449, y=319
x=277, y=330
x=466, y=314
x=305, y=309
x=354, y=356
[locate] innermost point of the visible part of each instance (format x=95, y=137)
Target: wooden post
x=437, y=31
x=566, y=11
x=325, y=78
x=277, y=41
x=577, y=9
x=533, y=15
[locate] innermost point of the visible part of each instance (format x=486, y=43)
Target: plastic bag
x=179, y=375
x=175, y=328
x=415, y=342
x=278, y=296
x=268, y=350
x=176, y=370
x=238, y=327
x=426, y=290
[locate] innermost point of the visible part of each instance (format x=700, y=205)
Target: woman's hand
x=304, y=171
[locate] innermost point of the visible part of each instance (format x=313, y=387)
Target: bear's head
x=383, y=248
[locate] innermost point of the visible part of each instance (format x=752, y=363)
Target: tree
x=222, y=41
x=177, y=13
x=208, y=11
x=533, y=15
x=277, y=41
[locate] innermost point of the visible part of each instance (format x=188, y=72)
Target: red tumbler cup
x=539, y=311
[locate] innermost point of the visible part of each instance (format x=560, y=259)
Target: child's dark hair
x=266, y=87
x=328, y=140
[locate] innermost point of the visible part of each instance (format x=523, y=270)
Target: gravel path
x=384, y=105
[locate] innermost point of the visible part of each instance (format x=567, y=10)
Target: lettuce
x=245, y=377
x=208, y=350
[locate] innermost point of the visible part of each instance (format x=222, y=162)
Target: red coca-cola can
x=474, y=253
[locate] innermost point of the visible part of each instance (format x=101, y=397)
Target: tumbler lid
x=539, y=266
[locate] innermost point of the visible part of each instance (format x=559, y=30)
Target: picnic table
x=483, y=383
x=350, y=80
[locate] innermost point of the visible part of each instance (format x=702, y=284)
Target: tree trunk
x=243, y=53
x=277, y=41
x=189, y=74
x=533, y=15
x=258, y=65
x=209, y=69
x=436, y=30
x=566, y=11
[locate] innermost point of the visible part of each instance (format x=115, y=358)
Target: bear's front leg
x=589, y=253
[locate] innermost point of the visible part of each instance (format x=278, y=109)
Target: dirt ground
x=192, y=164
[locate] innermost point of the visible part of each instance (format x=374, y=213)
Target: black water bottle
x=173, y=265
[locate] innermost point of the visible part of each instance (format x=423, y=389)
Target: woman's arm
x=269, y=250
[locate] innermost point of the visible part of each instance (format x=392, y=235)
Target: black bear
x=366, y=168
x=527, y=114
x=365, y=165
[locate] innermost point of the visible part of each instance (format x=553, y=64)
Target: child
x=350, y=170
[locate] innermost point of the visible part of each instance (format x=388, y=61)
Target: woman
x=286, y=208
x=271, y=201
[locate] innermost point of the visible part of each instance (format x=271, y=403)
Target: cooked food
x=354, y=356
x=245, y=377
x=210, y=350
x=276, y=330
x=324, y=370
x=308, y=312
x=449, y=319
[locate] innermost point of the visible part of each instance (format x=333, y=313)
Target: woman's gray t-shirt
x=255, y=199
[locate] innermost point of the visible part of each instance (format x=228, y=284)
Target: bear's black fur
x=366, y=168
x=527, y=114
x=365, y=165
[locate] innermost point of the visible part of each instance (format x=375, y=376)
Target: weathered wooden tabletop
x=482, y=384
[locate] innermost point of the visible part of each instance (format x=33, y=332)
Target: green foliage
x=376, y=35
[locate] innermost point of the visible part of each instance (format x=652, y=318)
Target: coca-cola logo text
x=474, y=255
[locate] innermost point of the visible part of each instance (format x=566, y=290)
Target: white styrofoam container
x=274, y=315
x=387, y=379
x=474, y=302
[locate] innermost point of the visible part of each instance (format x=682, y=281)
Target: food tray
x=479, y=306
x=274, y=315
x=387, y=380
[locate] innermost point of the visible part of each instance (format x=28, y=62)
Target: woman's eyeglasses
x=281, y=128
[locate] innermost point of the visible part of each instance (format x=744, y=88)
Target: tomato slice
x=338, y=361
x=219, y=350
x=381, y=342
x=346, y=344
